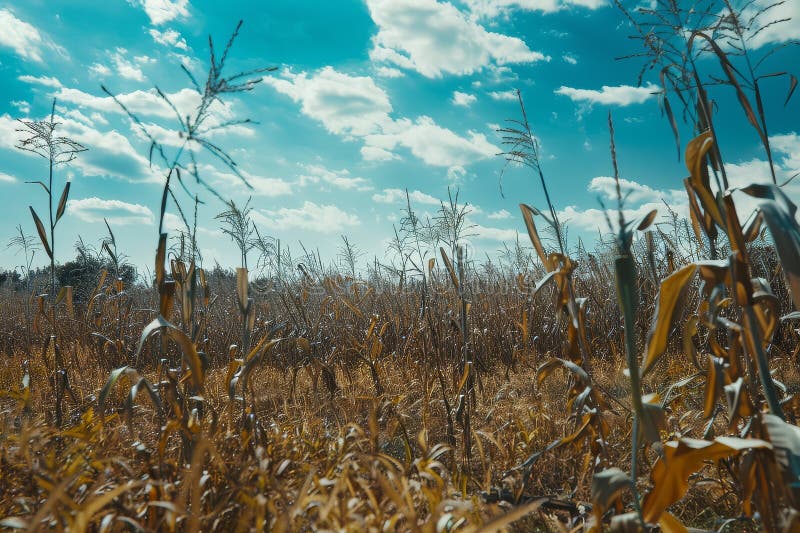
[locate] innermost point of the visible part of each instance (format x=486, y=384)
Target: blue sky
x=370, y=98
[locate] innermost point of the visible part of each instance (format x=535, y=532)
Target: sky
x=369, y=98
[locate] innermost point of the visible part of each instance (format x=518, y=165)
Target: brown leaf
x=669, y=296
x=62, y=203
x=527, y=215
x=670, y=474
x=42, y=232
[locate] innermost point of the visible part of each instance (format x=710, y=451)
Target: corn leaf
x=62, y=202
x=682, y=458
x=527, y=215
x=42, y=232
x=669, y=297
x=606, y=488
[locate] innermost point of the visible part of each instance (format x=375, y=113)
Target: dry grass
x=650, y=384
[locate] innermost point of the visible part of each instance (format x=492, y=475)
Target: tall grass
x=455, y=396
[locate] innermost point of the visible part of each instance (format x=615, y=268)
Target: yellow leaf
x=670, y=475
x=668, y=297
x=527, y=214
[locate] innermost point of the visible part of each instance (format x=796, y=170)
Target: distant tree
x=83, y=272
x=11, y=279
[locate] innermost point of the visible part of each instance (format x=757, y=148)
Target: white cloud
x=146, y=103
x=786, y=154
x=355, y=107
x=788, y=145
x=433, y=144
x=173, y=222
x=373, y=153
x=393, y=196
x=569, y=58
x=593, y=220
x=351, y=105
x=389, y=72
x=632, y=191
x=162, y=11
x=7, y=178
x=310, y=217
x=23, y=106
x=456, y=173
x=110, y=153
x=261, y=186
x=463, y=99
x=169, y=37
x=117, y=212
x=340, y=179
x=782, y=32
x=100, y=70
x=9, y=136
x=493, y=8
x=80, y=117
x=47, y=81
x=622, y=95
x=493, y=234
x=499, y=215
x=24, y=38
x=642, y=198
x=508, y=96
x=99, y=119
x=126, y=68
x=435, y=38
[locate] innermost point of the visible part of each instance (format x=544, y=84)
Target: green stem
x=753, y=340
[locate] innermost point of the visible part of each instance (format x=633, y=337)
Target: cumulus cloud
x=149, y=104
x=493, y=8
x=508, y=96
x=492, y=234
x=642, y=198
x=594, y=219
x=436, y=38
x=110, y=153
x=356, y=108
x=163, y=11
x=341, y=179
x=310, y=217
x=125, y=68
x=621, y=95
x=117, y=212
x=499, y=215
x=7, y=178
x=433, y=144
x=389, y=72
x=632, y=191
x=393, y=196
x=123, y=65
x=373, y=153
x=47, y=81
x=781, y=32
x=23, y=106
x=169, y=37
x=352, y=105
x=25, y=39
x=100, y=70
x=261, y=186
x=463, y=99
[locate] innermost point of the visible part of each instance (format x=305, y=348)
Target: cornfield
x=650, y=383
